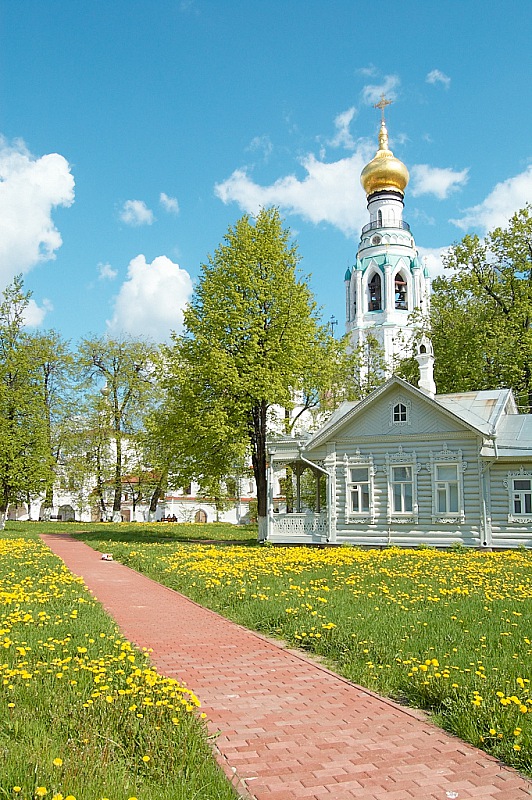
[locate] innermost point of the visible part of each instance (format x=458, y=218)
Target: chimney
x=425, y=359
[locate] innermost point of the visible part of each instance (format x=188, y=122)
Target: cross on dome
x=382, y=105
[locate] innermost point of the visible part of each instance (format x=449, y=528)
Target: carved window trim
x=363, y=462
x=398, y=419
x=402, y=459
x=509, y=483
x=442, y=458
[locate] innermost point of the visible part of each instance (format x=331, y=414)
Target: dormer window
x=401, y=299
x=400, y=413
x=375, y=293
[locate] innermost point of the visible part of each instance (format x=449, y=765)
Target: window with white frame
x=402, y=489
x=447, y=469
x=447, y=487
x=522, y=496
x=400, y=413
x=519, y=485
x=402, y=469
x=358, y=488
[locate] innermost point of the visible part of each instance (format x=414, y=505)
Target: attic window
x=400, y=413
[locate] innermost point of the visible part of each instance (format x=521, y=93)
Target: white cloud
x=136, y=212
x=34, y=314
x=169, y=204
x=106, y=272
x=30, y=188
x=371, y=94
x=330, y=192
x=436, y=76
x=435, y=180
x=502, y=202
x=367, y=72
x=432, y=259
x=261, y=144
x=342, y=137
x=151, y=301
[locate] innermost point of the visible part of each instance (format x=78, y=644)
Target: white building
x=403, y=466
x=388, y=281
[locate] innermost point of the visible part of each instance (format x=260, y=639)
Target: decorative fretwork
x=400, y=412
x=306, y=525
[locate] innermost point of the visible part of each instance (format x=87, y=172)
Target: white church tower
x=388, y=280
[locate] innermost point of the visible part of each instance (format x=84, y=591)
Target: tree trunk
x=117, y=501
x=156, y=496
x=258, y=460
x=2, y=520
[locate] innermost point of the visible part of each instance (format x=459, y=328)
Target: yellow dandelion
x=57, y=762
x=17, y=789
x=146, y=759
x=41, y=791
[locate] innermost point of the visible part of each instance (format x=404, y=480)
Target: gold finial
x=384, y=172
x=382, y=105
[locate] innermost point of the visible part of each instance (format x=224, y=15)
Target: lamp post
x=332, y=323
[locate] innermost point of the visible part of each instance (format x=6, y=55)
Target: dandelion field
x=448, y=632
x=83, y=715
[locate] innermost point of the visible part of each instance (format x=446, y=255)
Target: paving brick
x=289, y=728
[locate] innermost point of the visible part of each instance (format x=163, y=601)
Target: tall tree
x=126, y=369
x=24, y=453
x=481, y=314
x=55, y=363
x=252, y=338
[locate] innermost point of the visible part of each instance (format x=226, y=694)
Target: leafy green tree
x=55, y=363
x=481, y=314
x=25, y=463
x=126, y=368
x=86, y=459
x=252, y=338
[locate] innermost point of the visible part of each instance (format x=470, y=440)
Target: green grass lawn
x=449, y=632
x=83, y=715
x=145, y=531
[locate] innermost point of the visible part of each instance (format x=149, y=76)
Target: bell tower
x=388, y=280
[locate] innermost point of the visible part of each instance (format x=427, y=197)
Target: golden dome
x=385, y=171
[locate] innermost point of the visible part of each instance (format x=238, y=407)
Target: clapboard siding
x=375, y=420
x=425, y=530
x=504, y=532
x=366, y=432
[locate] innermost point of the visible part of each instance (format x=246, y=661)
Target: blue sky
x=134, y=132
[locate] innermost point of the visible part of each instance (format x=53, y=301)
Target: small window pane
x=399, y=413
x=517, y=504
x=453, y=498
x=397, y=505
x=447, y=472
x=408, y=497
x=442, y=501
x=359, y=474
x=522, y=485
x=402, y=473
x=528, y=504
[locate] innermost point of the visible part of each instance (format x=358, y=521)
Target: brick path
x=289, y=728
